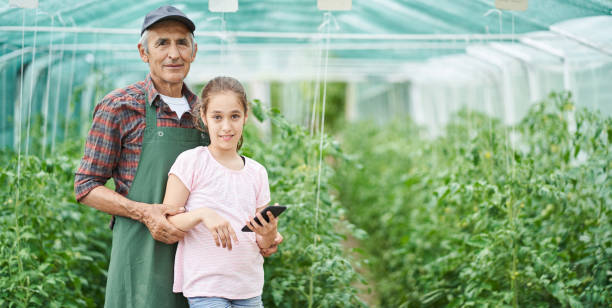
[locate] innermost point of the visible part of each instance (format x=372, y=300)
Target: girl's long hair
x=218, y=85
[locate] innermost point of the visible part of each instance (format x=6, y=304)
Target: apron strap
x=150, y=113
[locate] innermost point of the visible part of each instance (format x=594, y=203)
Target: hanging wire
x=69, y=107
x=57, y=88
x=513, y=208
x=19, y=119
x=45, y=114
x=317, y=90
x=328, y=19
x=499, y=14
x=17, y=191
x=90, y=82
x=18, y=134
x=510, y=165
x=4, y=99
x=223, y=37
x=490, y=111
x=32, y=81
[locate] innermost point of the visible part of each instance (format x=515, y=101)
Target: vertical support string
x=5, y=100
x=513, y=204
x=322, y=125
x=316, y=89
x=57, y=89
x=32, y=81
x=224, y=43
x=43, y=142
x=223, y=36
x=16, y=245
x=328, y=18
x=69, y=107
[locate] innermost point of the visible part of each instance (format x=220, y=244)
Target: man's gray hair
x=144, y=41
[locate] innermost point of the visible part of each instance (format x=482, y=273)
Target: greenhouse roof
x=268, y=38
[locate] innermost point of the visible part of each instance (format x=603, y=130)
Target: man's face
x=170, y=52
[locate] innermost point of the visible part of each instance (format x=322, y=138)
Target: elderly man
x=136, y=135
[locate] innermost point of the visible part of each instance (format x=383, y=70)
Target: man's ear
x=195, y=52
x=143, y=54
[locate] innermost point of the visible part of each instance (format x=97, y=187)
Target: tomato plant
x=485, y=215
x=53, y=251
x=310, y=269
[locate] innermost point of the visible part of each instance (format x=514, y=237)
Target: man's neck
x=168, y=89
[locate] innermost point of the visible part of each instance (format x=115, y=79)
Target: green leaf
x=576, y=150
x=258, y=111
x=574, y=303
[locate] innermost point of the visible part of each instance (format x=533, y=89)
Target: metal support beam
x=580, y=40
x=282, y=35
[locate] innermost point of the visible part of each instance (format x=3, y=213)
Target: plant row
x=485, y=215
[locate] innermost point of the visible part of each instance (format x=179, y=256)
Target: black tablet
x=275, y=209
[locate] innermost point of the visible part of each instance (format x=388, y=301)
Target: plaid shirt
x=114, y=141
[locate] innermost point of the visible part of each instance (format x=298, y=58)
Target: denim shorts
x=219, y=302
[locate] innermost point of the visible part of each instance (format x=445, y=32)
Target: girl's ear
x=203, y=117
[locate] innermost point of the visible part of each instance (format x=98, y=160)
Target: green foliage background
x=53, y=251
x=485, y=215
x=310, y=270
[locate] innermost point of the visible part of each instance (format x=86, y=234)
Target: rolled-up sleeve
x=102, y=149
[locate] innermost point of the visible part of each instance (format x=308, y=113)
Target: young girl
x=215, y=262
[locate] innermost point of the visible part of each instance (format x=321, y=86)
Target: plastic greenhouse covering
x=423, y=60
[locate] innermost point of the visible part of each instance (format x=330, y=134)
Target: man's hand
x=154, y=217
x=274, y=248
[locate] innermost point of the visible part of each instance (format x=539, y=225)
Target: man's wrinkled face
x=170, y=52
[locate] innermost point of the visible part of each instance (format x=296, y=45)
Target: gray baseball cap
x=165, y=13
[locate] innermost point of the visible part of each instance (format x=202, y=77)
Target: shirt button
x=160, y=133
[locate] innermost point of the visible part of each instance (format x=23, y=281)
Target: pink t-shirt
x=200, y=267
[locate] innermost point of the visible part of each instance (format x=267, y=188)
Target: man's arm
x=151, y=215
x=101, y=155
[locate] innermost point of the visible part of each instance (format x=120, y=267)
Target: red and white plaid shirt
x=114, y=141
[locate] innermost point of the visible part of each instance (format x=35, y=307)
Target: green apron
x=141, y=270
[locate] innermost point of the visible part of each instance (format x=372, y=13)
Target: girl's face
x=225, y=120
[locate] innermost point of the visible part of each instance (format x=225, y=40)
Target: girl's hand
x=266, y=231
x=220, y=229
